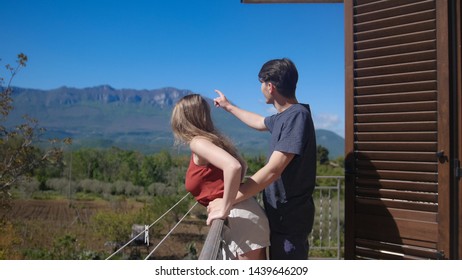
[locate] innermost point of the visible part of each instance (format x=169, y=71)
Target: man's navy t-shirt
x=288, y=200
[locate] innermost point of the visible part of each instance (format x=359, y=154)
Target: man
x=288, y=178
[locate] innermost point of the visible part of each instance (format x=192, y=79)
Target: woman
x=216, y=171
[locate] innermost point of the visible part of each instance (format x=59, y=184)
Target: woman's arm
x=210, y=153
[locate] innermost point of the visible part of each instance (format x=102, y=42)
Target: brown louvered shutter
x=397, y=131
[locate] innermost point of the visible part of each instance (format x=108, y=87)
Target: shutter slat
x=371, y=6
x=399, y=175
x=367, y=254
x=429, y=136
x=397, y=10
x=397, y=155
x=429, y=75
x=397, y=165
x=376, y=50
x=390, y=55
x=401, y=195
x=401, y=204
x=396, y=126
x=398, y=185
x=397, y=146
x=396, y=97
x=381, y=210
x=397, y=107
x=408, y=251
x=398, y=40
x=394, y=21
x=388, y=31
x=388, y=229
x=396, y=68
x=394, y=88
x=397, y=117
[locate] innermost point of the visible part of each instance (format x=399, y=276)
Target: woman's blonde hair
x=191, y=117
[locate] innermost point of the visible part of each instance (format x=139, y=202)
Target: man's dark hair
x=282, y=73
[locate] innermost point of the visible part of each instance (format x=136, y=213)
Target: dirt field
x=40, y=221
x=59, y=211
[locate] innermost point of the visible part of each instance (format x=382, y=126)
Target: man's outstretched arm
x=251, y=119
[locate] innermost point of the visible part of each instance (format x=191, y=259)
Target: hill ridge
x=103, y=116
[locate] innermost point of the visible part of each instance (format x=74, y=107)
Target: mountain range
x=131, y=119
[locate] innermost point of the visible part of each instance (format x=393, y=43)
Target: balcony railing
x=326, y=238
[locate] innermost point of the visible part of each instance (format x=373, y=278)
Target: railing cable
x=142, y=232
x=168, y=234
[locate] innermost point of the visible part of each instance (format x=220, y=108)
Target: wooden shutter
x=397, y=130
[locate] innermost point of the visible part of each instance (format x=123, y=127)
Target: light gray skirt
x=246, y=229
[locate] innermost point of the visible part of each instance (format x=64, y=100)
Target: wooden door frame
x=350, y=168
x=444, y=133
x=458, y=122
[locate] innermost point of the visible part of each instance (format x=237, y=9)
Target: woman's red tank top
x=204, y=182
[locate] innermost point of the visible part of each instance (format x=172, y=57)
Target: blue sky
x=200, y=45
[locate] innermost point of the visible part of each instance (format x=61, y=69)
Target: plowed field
x=58, y=211
x=40, y=221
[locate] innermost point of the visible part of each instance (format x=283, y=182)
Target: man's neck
x=285, y=104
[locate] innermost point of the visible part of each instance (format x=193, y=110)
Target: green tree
x=322, y=154
x=110, y=164
x=129, y=168
x=18, y=156
x=85, y=164
x=255, y=163
x=155, y=168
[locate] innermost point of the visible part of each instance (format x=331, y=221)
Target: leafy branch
x=18, y=155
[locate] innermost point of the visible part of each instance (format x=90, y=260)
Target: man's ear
x=271, y=87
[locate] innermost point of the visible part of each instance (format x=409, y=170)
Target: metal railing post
x=318, y=245
x=339, y=246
